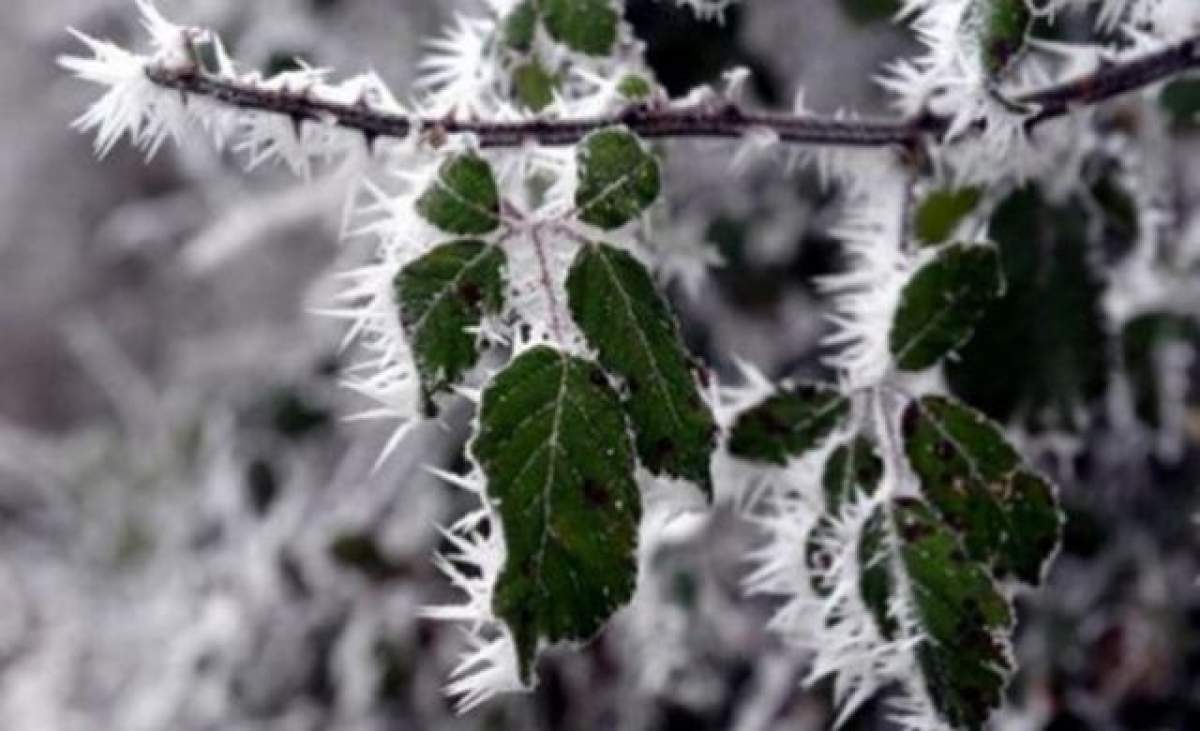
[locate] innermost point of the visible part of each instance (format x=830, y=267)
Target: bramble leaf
x=534, y=85
x=1001, y=28
x=942, y=303
x=635, y=87
x=617, y=179
x=553, y=445
x=851, y=467
x=614, y=301
x=856, y=465
x=964, y=621
x=520, y=26
x=441, y=295
x=1007, y=516
x=586, y=26
x=463, y=199
x=876, y=583
x=795, y=420
x=941, y=213
x=1063, y=361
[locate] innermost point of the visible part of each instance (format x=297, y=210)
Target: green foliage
x=585, y=26
x=553, y=444
x=463, y=199
x=1006, y=515
x=619, y=310
x=964, y=620
x=850, y=466
x=942, y=303
x=876, y=582
x=635, y=87
x=441, y=295
x=794, y=421
x=1181, y=100
x=941, y=213
x=534, y=85
x=618, y=179
x=520, y=26
x=1041, y=349
x=1001, y=28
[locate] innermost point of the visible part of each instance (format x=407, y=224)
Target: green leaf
x=1181, y=100
x=1007, y=516
x=617, y=179
x=520, y=26
x=795, y=420
x=441, y=295
x=942, y=212
x=635, y=87
x=1041, y=353
x=463, y=199
x=851, y=466
x=553, y=445
x=964, y=654
x=1142, y=341
x=1001, y=28
x=586, y=26
x=942, y=303
x=876, y=583
x=534, y=85
x=614, y=301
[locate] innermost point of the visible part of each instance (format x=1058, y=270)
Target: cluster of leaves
x=932, y=559
x=554, y=437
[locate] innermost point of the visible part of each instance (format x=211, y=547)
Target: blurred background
x=192, y=536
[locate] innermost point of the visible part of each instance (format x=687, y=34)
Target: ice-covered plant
x=510, y=201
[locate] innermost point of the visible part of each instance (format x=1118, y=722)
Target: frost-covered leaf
x=635, y=87
x=534, y=85
x=520, y=25
x=554, y=447
x=964, y=654
x=795, y=420
x=941, y=213
x=618, y=179
x=1001, y=29
x=1007, y=515
x=463, y=199
x=852, y=466
x=876, y=583
x=1041, y=351
x=1181, y=100
x=441, y=295
x=614, y=301
x=586, y=26
x=942, y=303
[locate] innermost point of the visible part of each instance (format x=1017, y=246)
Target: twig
x=704, y=121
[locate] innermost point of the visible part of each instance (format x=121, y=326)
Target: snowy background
x=192, y=536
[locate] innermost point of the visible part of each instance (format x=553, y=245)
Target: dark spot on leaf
x=470, y=293
x=908, y=424
x=597, y=377
x=943, y=449
x=595, y=493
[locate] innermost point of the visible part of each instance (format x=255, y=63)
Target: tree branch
x=722, y=122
